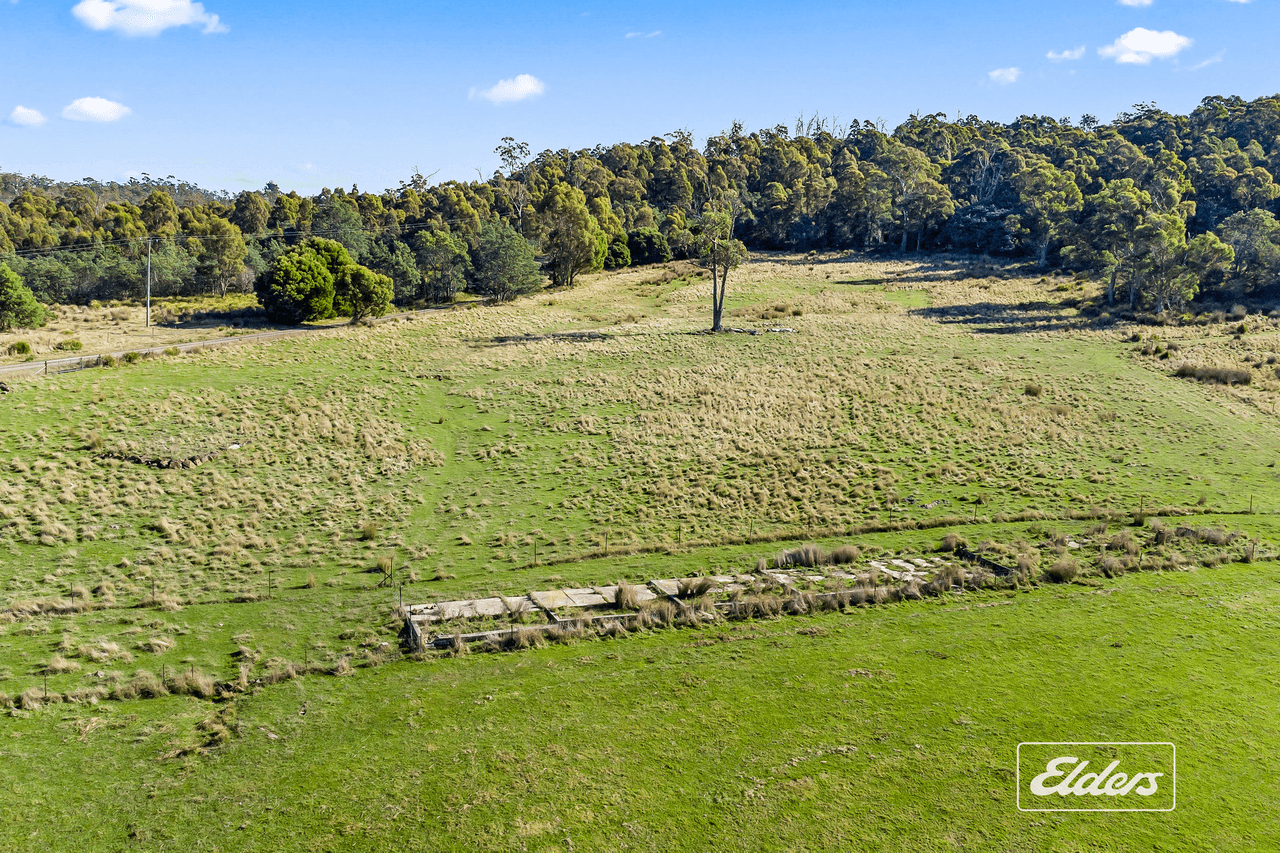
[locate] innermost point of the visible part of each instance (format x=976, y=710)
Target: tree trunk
x=716, y=308
x=1042, y=253
x=717, y=300
x=1111, y=286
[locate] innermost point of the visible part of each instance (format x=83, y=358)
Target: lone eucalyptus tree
x=720, y=253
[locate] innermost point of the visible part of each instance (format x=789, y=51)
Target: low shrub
x=19, y=348
x=71, y=345
x=132, y=357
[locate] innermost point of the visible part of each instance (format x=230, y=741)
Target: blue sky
x=230, y=94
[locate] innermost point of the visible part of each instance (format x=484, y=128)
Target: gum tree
x=719, y=253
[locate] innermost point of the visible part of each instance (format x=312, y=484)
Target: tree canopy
x=1103, y=198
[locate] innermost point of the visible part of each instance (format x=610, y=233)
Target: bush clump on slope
x=18, y=306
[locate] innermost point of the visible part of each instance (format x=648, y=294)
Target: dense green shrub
x=18, y=306
x=617, y=255
x=297, y=288
x=648, y=246
x=364, y=293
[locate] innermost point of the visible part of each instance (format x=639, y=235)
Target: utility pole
x=148, y=282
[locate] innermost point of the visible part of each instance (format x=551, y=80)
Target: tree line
x=1164, y=208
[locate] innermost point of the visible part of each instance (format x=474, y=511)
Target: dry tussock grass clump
x=162, y=601
x=144, y=685
x=1124, y=541
x=1063, y=570
x=661, y=611
x=34, y=698
x=194, y=682
x=806, y=555
x=844, y=555
x=157, y=645
x=104, y=651
x=281, y=671
x=91, y=695
x=1220, y=375
x=58, y=665
x=694, y=587
x=627, y=596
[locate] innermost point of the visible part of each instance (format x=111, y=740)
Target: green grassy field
x=572, y=423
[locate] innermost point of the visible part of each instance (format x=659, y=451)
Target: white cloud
x=1140, y=45
x=26, y=116
x=1058, y=56
x=644, y=35
x=1137, y=2
x=1231, y=1
x=516, y=89
x=145, y=17
x=95, y=109
x=1217, y=57
x=1004, y=76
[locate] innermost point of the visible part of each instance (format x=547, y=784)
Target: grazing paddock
x=204, y=559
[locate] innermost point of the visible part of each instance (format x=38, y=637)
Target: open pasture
x=582, y=438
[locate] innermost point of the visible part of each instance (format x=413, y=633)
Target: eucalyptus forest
x=1164, y=208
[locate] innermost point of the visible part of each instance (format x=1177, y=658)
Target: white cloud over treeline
x=516, y=89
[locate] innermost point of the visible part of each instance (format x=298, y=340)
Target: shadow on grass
x=997, y=318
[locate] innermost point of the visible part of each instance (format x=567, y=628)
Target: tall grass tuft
x=1063, y=570
x=145, y=684
x=844, y=555
x=627, y=597
x=193, y=682
x=809, y=556
x=662, y=612
x=694, y=587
